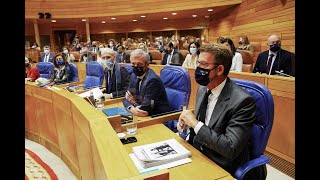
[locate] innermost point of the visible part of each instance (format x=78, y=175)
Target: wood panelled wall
x=257, y=19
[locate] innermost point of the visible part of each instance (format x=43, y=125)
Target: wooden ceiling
x=96, y=11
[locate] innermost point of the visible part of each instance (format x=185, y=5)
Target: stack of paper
x=96, y=93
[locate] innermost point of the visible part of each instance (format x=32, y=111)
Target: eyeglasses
x=202, y=63
x=274, y=42
x=59, y=59
x=106, y=57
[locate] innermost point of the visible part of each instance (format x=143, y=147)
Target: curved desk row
x=86, y=141
x=282, y=138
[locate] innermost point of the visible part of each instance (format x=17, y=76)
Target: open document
x=96, y=93
x=159, y=153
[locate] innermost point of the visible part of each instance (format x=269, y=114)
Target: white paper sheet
x=96, y=93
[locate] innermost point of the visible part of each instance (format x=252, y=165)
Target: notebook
x=116, y=111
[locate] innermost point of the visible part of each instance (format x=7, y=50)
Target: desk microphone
x=283, y=74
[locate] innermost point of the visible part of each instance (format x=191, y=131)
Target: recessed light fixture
x=53, y=20
x=165, y=18
x=210, y=9
x=113, y=18
x=194, y=15
x=103, y=22
x=206, y=16
x=134, y=20
x=84, y=20
x=143, y=16
x=174, y=14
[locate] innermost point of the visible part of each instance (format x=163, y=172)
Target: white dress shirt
x=273, y=58
x=212, y=100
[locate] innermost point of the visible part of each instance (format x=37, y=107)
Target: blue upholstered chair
x=46, y=69
x=176, y=81
x=74, y=73
x=261, y=128
x=128, y=68
x=94, y=75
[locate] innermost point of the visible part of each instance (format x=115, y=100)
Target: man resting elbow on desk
x=146, y=94
x=224, y=114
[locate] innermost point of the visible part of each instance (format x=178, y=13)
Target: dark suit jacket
x=118, y=87
x=51, y=56
x=226, y=139
x=152, y=96
x=63, y=76
x=283, y=62
x=90, y=57
x=176, y=58
x=125, y=58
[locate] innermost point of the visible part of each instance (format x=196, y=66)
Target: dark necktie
x=138, y=86
x=202, y=114
x=269, y=62
x=109, y=81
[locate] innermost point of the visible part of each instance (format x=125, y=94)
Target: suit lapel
x=202, y=93
x=221, y=104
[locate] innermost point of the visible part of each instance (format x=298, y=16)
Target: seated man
x=47, y=56
x=274, y=59
x=224, y=114
x=172, y=55
x=146, y=94
x=117, y=79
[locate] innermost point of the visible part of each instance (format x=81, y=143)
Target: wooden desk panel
x=201, y=167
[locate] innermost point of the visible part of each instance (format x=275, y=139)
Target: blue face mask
x=60, y=62
x=202, y=76
x=46, y=51
x=109, y=63
x=275, y=47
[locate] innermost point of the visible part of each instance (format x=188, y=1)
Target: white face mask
x=65, y=51
x=109, y=63
x=193, y=50
x=202, y=39
x=46, y=51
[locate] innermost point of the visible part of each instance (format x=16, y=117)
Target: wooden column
x=88, y=30
x=36, y=32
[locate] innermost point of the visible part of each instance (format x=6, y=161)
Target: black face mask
x=26, y=64
x=202, y=75
x=275, y=47
x=138, y=70
x=94, y=45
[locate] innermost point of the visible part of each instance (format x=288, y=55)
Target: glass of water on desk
x=132, y=127
x=185, y=131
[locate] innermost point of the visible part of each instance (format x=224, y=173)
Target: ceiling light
x=84, y=20
x=103, y=22
x=210, y=9
x=194, y=15
x=134, y=20
x=206, y=16
x=53, y=20
x=143, y=16
x=174, y=14
x=113, y=18
x=165, y=18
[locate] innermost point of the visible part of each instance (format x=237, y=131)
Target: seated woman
x=244, y=44
x=70, y=57
x=61, y=68
x=237, y=58
x=32, y=72
x=191, y=59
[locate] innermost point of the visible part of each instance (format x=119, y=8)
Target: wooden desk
x=200, y=163
x=84, y=139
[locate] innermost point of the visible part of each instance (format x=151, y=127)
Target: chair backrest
x=128, y=67
x=176, y=81
x=184, y=53
x=74, y=73
x=94, y=75
x=76, y=55
x=46, y=69
x=156, y=56
x=264, y=115
x=256, y=50
x=247, y=65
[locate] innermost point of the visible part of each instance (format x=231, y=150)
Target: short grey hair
x=108, y=51
x=138, y=53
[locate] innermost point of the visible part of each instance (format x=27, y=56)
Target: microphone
x=283, y=74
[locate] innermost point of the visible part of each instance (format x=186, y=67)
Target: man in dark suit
x=117, y=78
x=47, y=56
x=224, y=114
x=122, y=56
x=172, y=56
x=274, y=59
x=146, y=94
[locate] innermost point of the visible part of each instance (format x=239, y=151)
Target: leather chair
x=247, y=65
x=76, y=55
x=74, y=73
x=94, y=75
x=184, y=53
x=156, y=56
x=46, y=69
x=176, y=81
x=256, y=50
x=261, y=128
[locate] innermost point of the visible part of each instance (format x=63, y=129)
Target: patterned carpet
x=35, y=168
